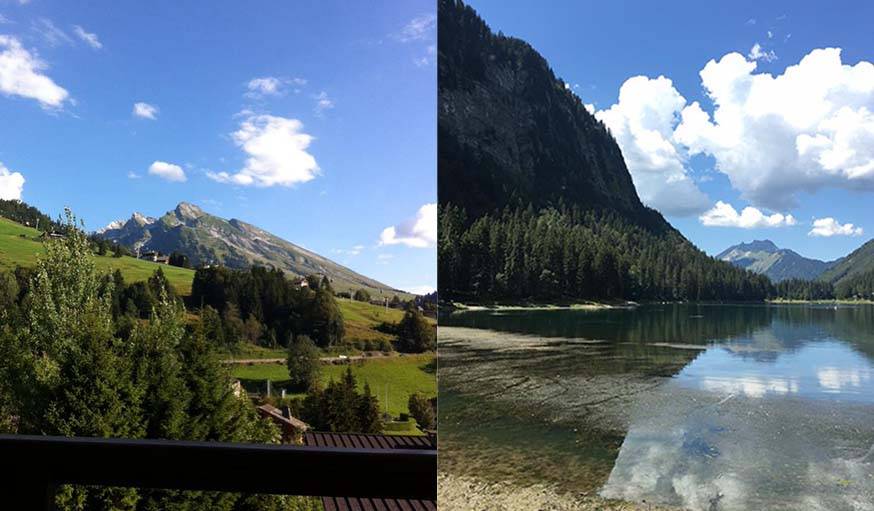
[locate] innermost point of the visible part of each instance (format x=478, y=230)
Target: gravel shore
x=470, y=494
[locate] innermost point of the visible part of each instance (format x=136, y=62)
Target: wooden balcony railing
x=32, y=467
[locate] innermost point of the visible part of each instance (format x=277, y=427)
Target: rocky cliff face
x=208, y=239
x=510, y=133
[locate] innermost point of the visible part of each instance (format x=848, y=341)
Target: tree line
x=565, y=253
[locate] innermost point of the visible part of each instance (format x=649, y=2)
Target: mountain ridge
x=209, y=239
x=766, y=258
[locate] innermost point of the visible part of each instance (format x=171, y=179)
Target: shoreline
x=497, y=306
x=475, y=494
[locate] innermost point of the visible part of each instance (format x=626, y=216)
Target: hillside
x=209, y=239
x=778, y=264
x=537, y=203
x=20, y=246
x=855, y=264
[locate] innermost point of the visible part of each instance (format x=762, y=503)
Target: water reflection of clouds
x=835, y=379
x=733, y=455
x=750, y=386
x=820, y=370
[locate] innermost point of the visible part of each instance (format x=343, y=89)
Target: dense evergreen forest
x=568, y=253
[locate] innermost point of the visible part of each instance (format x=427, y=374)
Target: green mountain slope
x=209, y=239
x=778, y=264
x=20, y=246
x=858, y=262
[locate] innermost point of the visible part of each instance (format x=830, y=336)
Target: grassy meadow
x=399, y=375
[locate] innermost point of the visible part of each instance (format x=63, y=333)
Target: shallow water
x=717, y=407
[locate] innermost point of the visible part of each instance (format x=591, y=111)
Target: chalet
x=292, y=427
x=52, y=236
x=301, y=282
x=155, y=257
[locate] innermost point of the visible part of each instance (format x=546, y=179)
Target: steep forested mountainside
x=536, y=199
x=858, y=262
x=778, y=264
x=208, y=239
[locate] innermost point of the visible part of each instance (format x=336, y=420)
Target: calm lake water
x=713, y=407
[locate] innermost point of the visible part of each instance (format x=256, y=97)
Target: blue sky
x=313, y=120
x=783, y=122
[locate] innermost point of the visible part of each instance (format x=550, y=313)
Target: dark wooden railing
x=32, y=467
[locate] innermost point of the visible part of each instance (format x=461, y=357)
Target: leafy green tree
x=361, y=295
x=415, y=334
x=421, y=410
x=324, y=320
x=368, y=412
x=304, y=366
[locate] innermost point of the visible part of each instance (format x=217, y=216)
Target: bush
x=421, y=410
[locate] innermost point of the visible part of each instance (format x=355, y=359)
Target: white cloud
x=323, y=102
x=53, y=35
x=776, y=136
x=419, y=28
x=724, y=215
x=642, y=121
x=145, y=111
x=90, y=39
x=277, y=150
x=168, y=171
x=423, y=289
x=418, y=232
x=828, y=227
x=133, y=175
x=354, y=251
x=4, y=19
x=759, y=53
x=11, y=184
x=21, y=75
x=271, y=86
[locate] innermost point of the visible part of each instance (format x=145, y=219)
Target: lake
x=712, y=407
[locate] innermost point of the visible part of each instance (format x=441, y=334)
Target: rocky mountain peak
x=188, y=211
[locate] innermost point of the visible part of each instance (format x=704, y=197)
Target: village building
x=292, y=428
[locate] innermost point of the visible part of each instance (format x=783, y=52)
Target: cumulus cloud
x=11, y=184
x=418, y=232
x=775, y=136
x=724, y=215
x=759, y=53
x=21, y=74
x=277, y=153
x=145, y=111
x=90, y=39
x=828, y=227
x=168, y=171
x=422, y=289
x=643, y=121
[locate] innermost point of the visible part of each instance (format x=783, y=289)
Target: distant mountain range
x=766, y=258
x=209, y=239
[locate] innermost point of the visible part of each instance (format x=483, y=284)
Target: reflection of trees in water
x=773, y=329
